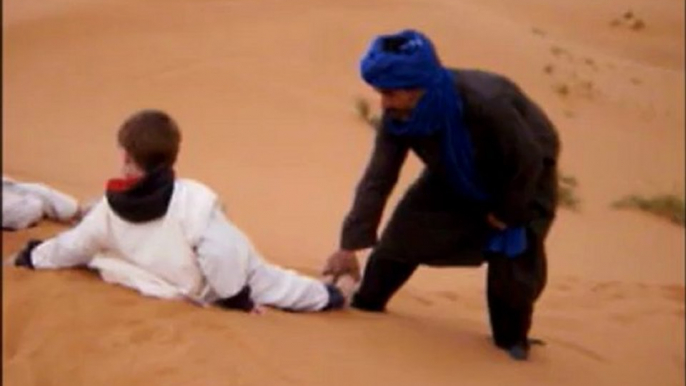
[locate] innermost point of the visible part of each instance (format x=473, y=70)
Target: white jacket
x=193, y=252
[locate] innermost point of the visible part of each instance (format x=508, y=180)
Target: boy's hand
x=258, y=310
x=342, y=262
x=84, y=208
x=24, y=256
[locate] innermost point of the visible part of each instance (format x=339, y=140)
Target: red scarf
x=121, y=184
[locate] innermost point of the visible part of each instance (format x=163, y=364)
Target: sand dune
x=265, y=91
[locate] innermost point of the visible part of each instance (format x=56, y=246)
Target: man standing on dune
x=488, y=191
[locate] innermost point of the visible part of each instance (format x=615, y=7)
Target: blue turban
x=408, y=60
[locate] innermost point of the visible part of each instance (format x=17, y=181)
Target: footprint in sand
x=628, y=20
x=674, y=293
x=591, y=63
x=626, y=318
x=558, y=51
x=563, y=287
x=568, y=81
x=448, y=295
x=653, y=300
x=622, y=319
x=612, y=290
x=584, y=351
x=549, y=69
x=159, y=333
x=421, y=299
x=538, y=31
x=135, y=333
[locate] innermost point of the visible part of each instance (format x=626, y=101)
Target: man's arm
x=522, y=159
x=360, y=225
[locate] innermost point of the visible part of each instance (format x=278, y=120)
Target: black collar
x=144, y=200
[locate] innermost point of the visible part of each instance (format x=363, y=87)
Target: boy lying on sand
x=168, y=237
x=26, y=203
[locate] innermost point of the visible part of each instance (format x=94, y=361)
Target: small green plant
x=667, y=206
x=364, y=111
x=567, y=192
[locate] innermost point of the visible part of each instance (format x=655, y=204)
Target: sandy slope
x=264, y=91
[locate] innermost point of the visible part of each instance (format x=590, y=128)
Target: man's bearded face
x=399, y=103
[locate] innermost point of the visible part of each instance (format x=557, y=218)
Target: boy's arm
x=71, y=248
x=223, y=256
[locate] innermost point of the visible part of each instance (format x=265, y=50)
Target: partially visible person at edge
x=24, y=204
x=488, y=191
x=168, y=237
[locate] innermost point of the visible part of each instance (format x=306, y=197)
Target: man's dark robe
x=516, y=149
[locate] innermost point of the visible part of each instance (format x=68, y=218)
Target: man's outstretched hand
x=341, y=263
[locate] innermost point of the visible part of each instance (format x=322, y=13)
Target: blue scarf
x=408, y=60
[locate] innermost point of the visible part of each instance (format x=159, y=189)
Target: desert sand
x=265, y=93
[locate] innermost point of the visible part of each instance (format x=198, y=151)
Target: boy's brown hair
x=151, y=138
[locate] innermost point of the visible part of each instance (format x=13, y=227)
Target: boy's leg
x=286, y=289
x=381, y=279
